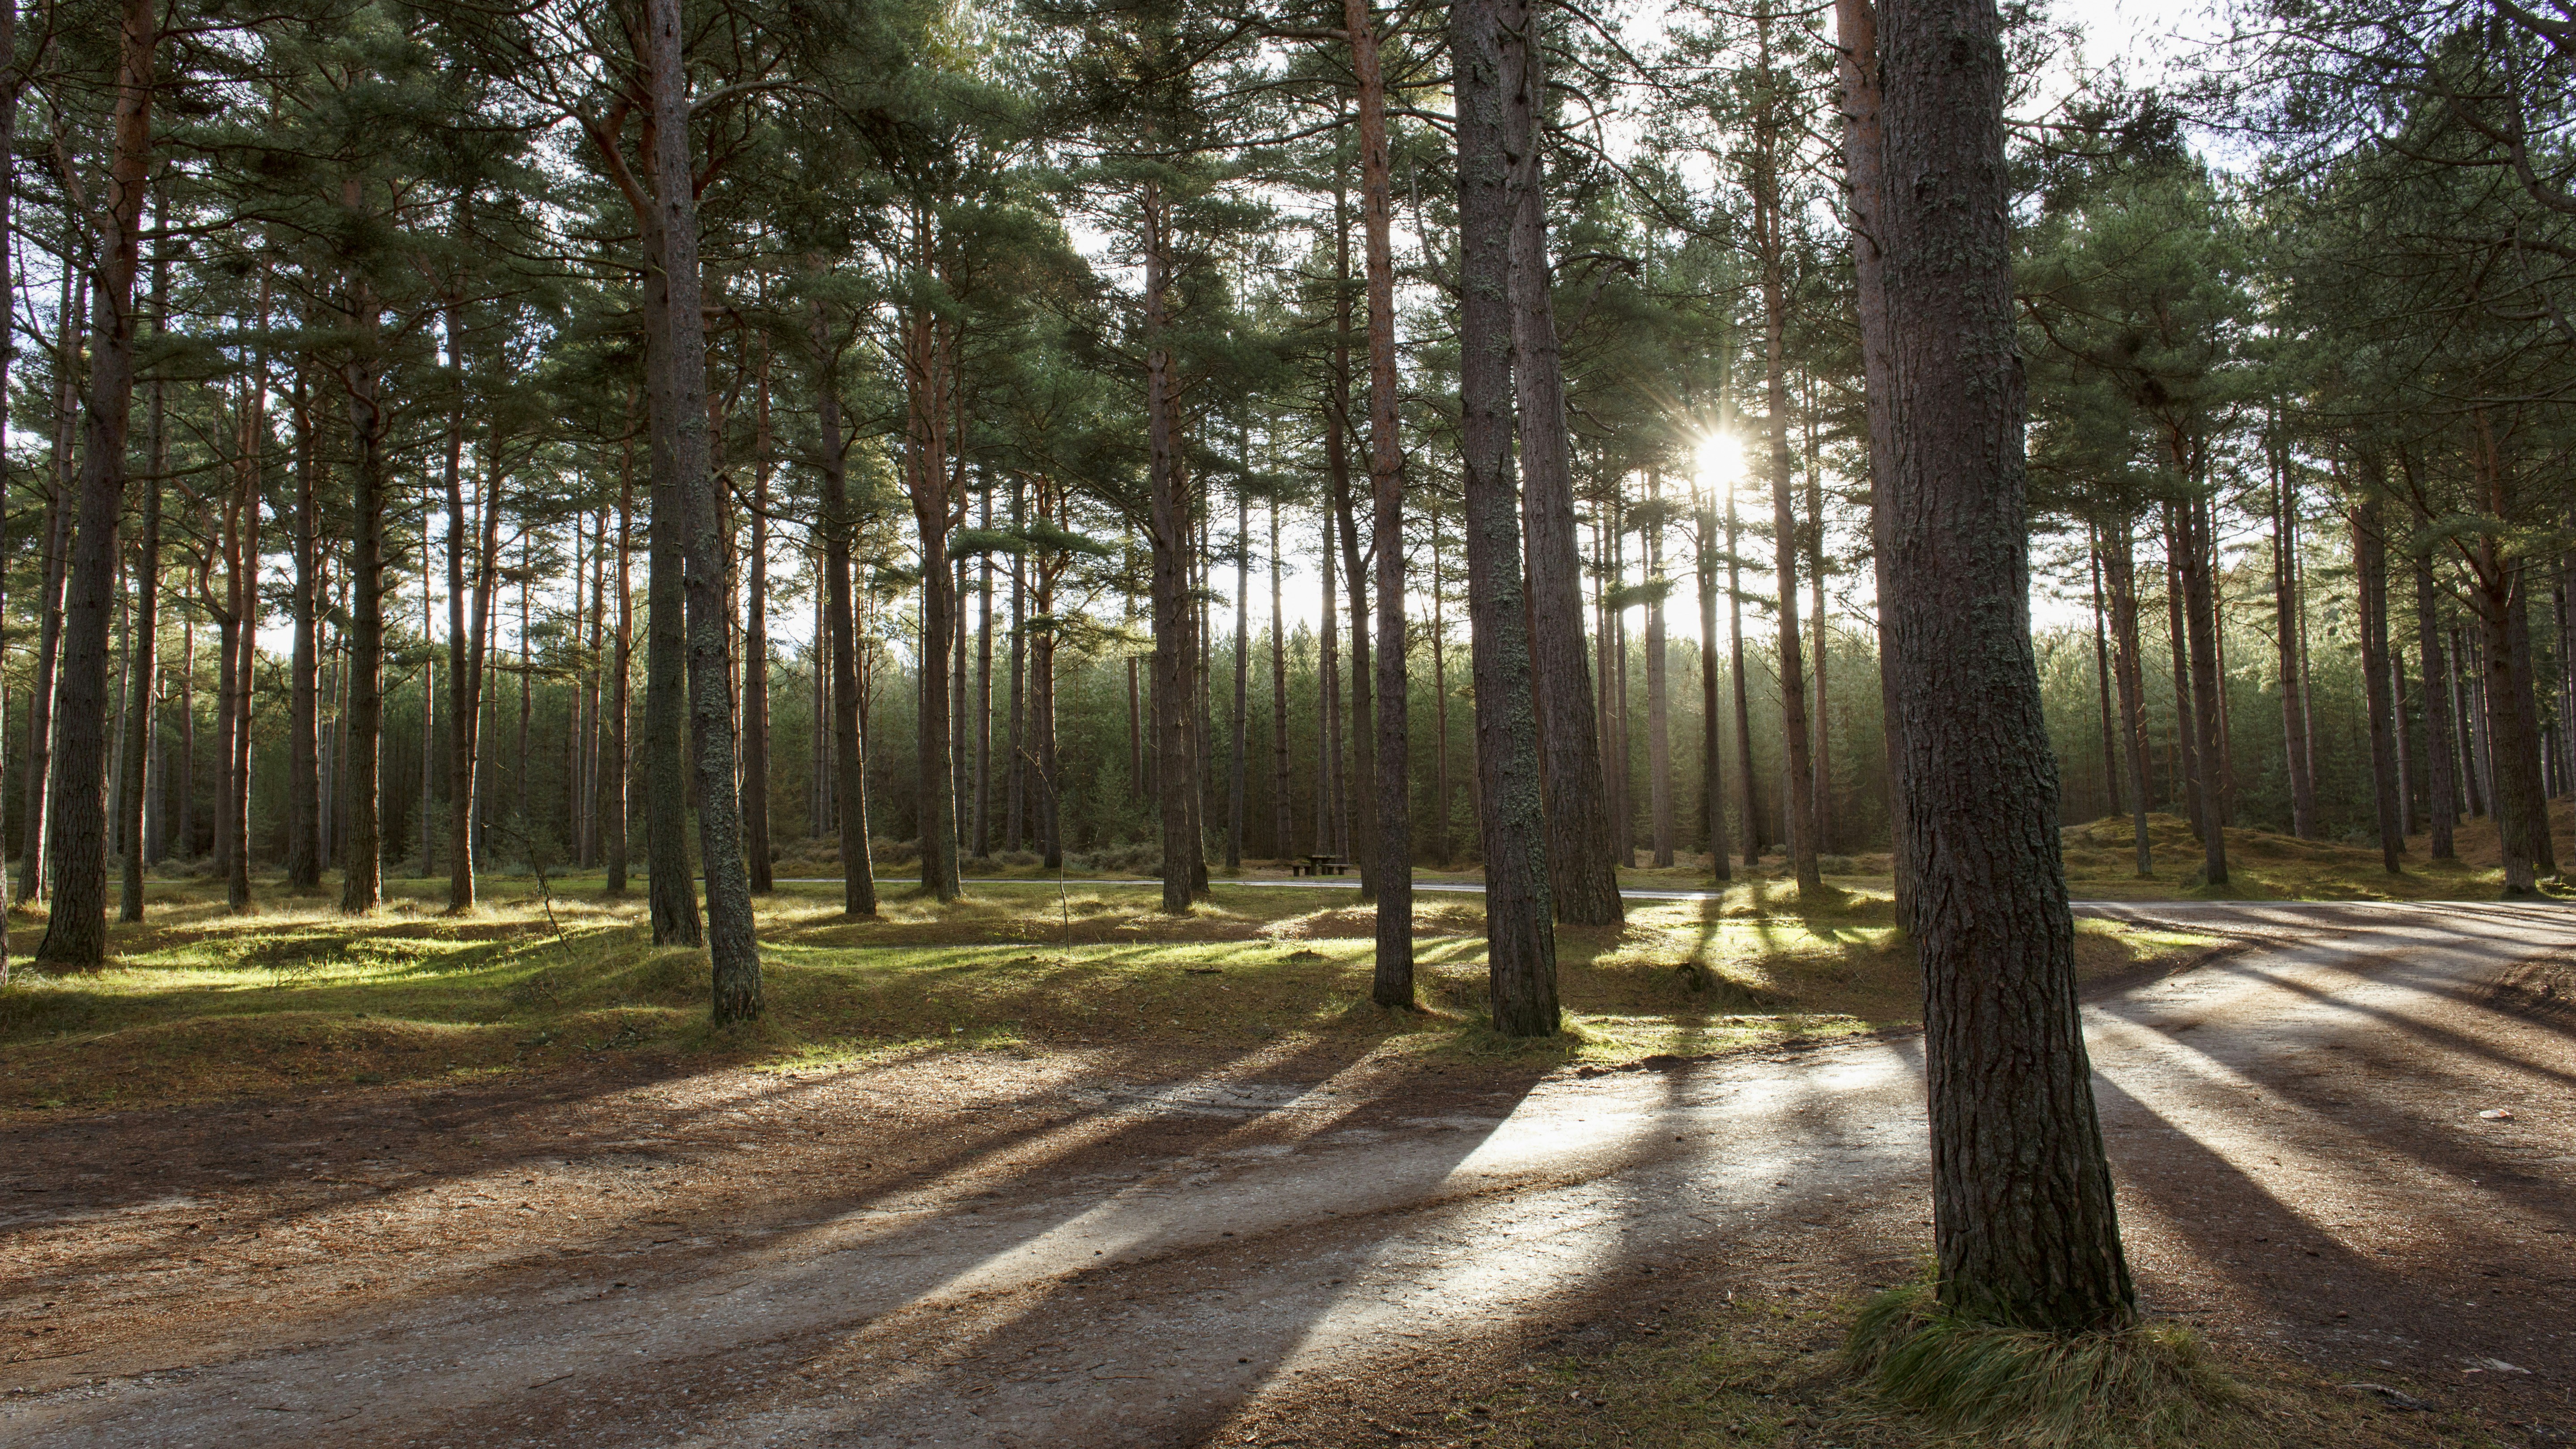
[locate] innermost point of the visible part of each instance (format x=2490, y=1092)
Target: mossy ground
x=1771, y=1371
x=202, y=1004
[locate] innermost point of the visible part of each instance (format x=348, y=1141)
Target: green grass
x=203, y=1004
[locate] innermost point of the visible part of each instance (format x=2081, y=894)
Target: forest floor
x=999, y=1174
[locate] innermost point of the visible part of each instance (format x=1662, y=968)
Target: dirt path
x=1079, y=1250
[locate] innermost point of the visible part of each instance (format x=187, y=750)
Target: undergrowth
x=202, y=1004
x=2142, y=1386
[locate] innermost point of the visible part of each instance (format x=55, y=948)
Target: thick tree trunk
x=669, y=889
x=1169, y=531
x=1520, y=945
x=733, y=954
x=2513, y=728
x=76, y=930
x=2024, y=1232
x=1391, y=852
x=2370, y=570
x=1583, y=878
x=2441, y=736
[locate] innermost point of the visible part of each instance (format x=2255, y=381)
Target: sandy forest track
x=1093, y=1249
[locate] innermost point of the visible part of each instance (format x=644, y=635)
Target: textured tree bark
x=669, y=891
x=732, y=951
x=1440, y=847
x=2024, y=1228
x=1520, y=944
x=1391, y=856
x=1864, y=176
x=858, y=872
x=1169, y=528
x=2441, y=735
x=241, y=583
x=755, y=655
x=76, y=930
x=2187, y=783
x=2370, y=571
x=1583, y=881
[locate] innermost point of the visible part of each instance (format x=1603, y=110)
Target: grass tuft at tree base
x=2143, y=1386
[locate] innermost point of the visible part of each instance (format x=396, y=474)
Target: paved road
x=1308, y=1233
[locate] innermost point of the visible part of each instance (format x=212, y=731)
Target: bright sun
x=1721, y=458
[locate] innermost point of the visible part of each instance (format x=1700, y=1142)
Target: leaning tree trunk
x=76, y=931
x=1520, y=943
x=2024, y=1228
x=1583, y=876
x=733, y=953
